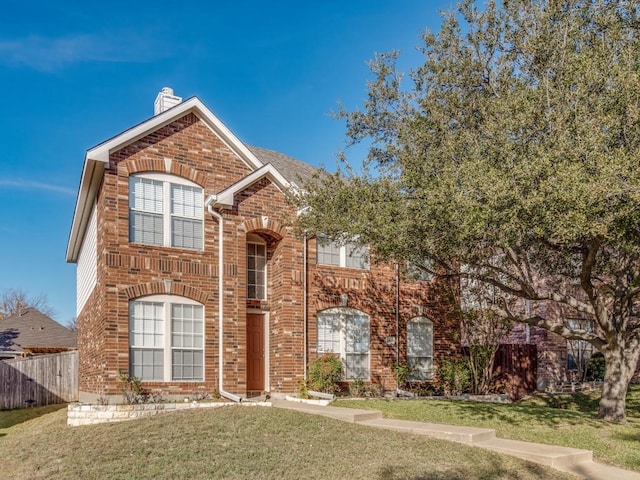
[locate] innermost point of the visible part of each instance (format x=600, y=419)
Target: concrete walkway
x=571, y=460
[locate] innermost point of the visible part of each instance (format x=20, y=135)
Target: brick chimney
x=165, y=100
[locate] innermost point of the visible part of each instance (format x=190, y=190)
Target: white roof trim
x=225, y=198
x=97, y=158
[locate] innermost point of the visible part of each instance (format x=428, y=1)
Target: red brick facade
x=187, y=147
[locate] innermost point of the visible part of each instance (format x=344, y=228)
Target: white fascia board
x=91, y=178
x=224, y=199
x=192, y=105
x=97, y=158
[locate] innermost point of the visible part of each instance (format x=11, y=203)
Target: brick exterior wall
x=127, y=271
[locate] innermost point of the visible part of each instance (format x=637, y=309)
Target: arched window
x=165, y=210
x=256, y=267
x=166, y=338
x=345, y=332
x=420, y=348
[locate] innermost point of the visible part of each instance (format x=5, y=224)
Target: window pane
x=145, y=195
x=357, y=366
x=145, y=228
x=187, y=365
x=357, y=334
x=357, y=256
x=146, y=364
x=187, y=339
x=420, y=348
x=256, y=271
x=421, y=368
x=186, y=201
x=328, y=333
x=419, y=338
x=186, y=233
x=146, y=324
x=328, y=252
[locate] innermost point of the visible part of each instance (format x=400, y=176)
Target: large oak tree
x=514, y=151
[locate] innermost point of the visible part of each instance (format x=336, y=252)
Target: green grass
x=8, y=418
x=243, y=442
x=566, y=420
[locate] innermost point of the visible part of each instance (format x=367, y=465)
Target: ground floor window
x=420, y=348
x=166, y=339
x=345, y=332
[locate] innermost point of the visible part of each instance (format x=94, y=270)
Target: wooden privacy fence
x=39, y=380
x=516, y=366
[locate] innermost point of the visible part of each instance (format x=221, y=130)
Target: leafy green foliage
x=595, y=367
x=454, y=375
x=510, y=158
x=325, y=372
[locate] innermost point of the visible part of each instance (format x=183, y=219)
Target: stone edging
x=85, y=414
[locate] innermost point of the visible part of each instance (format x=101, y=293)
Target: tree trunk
x=619, y=368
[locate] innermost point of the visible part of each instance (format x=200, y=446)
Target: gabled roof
x=32, y=329
x=291, y=172
x=295, y=171
x=225, y=198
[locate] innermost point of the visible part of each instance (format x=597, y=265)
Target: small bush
x=132, y=391
x=595, y=367
x=324, y=373
x=401, y=372
x=357, y=388
x=303, y=388
x=454, y=375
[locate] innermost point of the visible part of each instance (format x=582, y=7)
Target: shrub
x=454, y=375
x=303, y=388
x=595, y=367
x=132, y=391
x=401, y=372
x=325, y=372
x=357, y=388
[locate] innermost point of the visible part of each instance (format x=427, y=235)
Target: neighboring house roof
x=291, y=172
x=33, y=330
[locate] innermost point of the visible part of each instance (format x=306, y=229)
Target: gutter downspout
x=304, y=304
x=223, y=392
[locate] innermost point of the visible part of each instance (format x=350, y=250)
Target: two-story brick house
x=190, y=276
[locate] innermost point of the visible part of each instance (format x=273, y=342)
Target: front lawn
x=243, y=442
x=566, y=420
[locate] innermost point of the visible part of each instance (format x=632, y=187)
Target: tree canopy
x=513, y=151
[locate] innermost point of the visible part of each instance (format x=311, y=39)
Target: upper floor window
x=420, y=270
x=345, y=332
x=166, y=339
x=165, y=210
x=420, y=348
x=256, y=267
x=350, y=255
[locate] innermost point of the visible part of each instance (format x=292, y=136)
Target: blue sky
x=73, y=74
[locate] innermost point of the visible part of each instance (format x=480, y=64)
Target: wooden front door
x=255, y=351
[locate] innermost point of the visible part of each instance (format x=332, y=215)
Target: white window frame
x=325, y=247
x=420, y=373
x=167, y=216
x=253, y=239
x=340, y=337
x=166, y=302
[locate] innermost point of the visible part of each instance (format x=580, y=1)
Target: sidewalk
x=571, y=460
